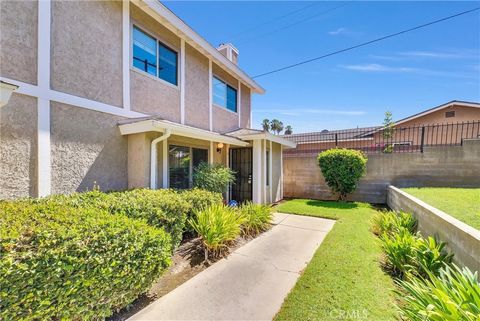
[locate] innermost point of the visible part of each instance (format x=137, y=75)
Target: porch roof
x=156, y=124
x=251, y=134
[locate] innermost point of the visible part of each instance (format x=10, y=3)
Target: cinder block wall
x=449, y=166
x=461, y=239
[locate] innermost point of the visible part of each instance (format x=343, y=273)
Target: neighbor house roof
x=329, y=135
x=156, y=124
x=167, y=18
x=434, y=109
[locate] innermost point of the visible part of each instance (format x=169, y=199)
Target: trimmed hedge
x=59, y=262
x=200, y=200
x=164, y=208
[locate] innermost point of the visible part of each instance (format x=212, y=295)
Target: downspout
x=153, y=158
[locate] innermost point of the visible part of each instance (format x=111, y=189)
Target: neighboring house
x=122, y=95
x=446, y=124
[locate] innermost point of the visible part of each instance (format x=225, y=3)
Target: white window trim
x=158, y=40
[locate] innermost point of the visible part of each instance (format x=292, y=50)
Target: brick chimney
x=229, y=51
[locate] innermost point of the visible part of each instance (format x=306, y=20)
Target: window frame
x=159, y=41
x=190, y=167
x=227, y=84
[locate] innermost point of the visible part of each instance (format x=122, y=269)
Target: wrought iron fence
x=384, y=140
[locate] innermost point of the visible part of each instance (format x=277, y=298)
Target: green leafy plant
x=214, y=178
x=163, y=208
x=453, y=295
x=217, y=225
x=59, y=262
x=199, y=199
x=431, y=256
x=256, y=218
x=399, y=249
x=388, y=131
x=342, y=169
x=392, y=222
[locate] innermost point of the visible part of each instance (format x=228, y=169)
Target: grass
x=344, y=279
x=461, y=203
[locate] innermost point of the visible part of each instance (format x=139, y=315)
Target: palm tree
x=274, y=125
x=288, y=130
x=266, y=125
x=279, y=128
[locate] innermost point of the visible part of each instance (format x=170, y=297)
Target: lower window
x=181, y=162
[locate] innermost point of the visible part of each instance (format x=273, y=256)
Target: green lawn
x=344, y=280
x=461, y=203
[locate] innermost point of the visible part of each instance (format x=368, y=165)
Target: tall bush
x=214, y=178
x=59, y=262
x=342, y=169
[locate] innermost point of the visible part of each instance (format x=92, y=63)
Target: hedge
x=59, y=262
x=164, y=208
x=199, y=199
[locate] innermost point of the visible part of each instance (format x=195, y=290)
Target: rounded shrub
x=214, y=178
x=59, y=262
x=342, y=169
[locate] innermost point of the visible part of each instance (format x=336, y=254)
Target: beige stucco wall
x=223, y=119
x=462, y=114
x=87, y=49
x=87, y=149
x=18, y=147
x=196, y=89
x=245, y=121
x=149, y=94
x=18, y=40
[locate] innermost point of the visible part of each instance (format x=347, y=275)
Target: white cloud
x=378, y=68
x=338, y=31
x=458, y=54
x=293, y=111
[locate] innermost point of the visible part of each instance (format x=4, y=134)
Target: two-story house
x=123, y=94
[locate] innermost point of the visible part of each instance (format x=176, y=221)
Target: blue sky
x=405, y=74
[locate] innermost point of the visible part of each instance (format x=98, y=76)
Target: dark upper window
x=450, y=114
x=224, y=95
x=153, y=57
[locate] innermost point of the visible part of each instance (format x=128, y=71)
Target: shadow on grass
x=332, y=204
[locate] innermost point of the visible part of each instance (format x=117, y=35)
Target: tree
x=266, y=124
x=342, y=169
x=276, y=126
x=388, y=130
x=288, y=130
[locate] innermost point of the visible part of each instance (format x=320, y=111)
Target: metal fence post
x=422, y=139
x=336, y=140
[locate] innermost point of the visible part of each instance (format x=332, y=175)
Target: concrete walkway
x=252, y=282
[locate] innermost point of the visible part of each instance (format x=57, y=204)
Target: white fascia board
x=180, y=28
x=178, y=129
x=273, y=138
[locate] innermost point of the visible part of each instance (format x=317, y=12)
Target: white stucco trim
x=264, y=170
x=76, y=101
x=44, y=175
x=153, y=158
x=182, y=81
x=239, y=103
x=165, y=164
x=126, y=54
x=270, y=172
x=210, y=97
x=43, y=148
x=274, y=138
x=257, y=171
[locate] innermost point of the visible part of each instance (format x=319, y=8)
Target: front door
x=241, y=163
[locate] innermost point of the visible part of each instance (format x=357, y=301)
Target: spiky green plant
x=217, y=226
x=431, y=256
x=392, y=222
x=454, y=295
x=256, y=218
x=399, y=252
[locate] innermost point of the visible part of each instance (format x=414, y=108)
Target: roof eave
x=274, y=138
x=176, y=25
